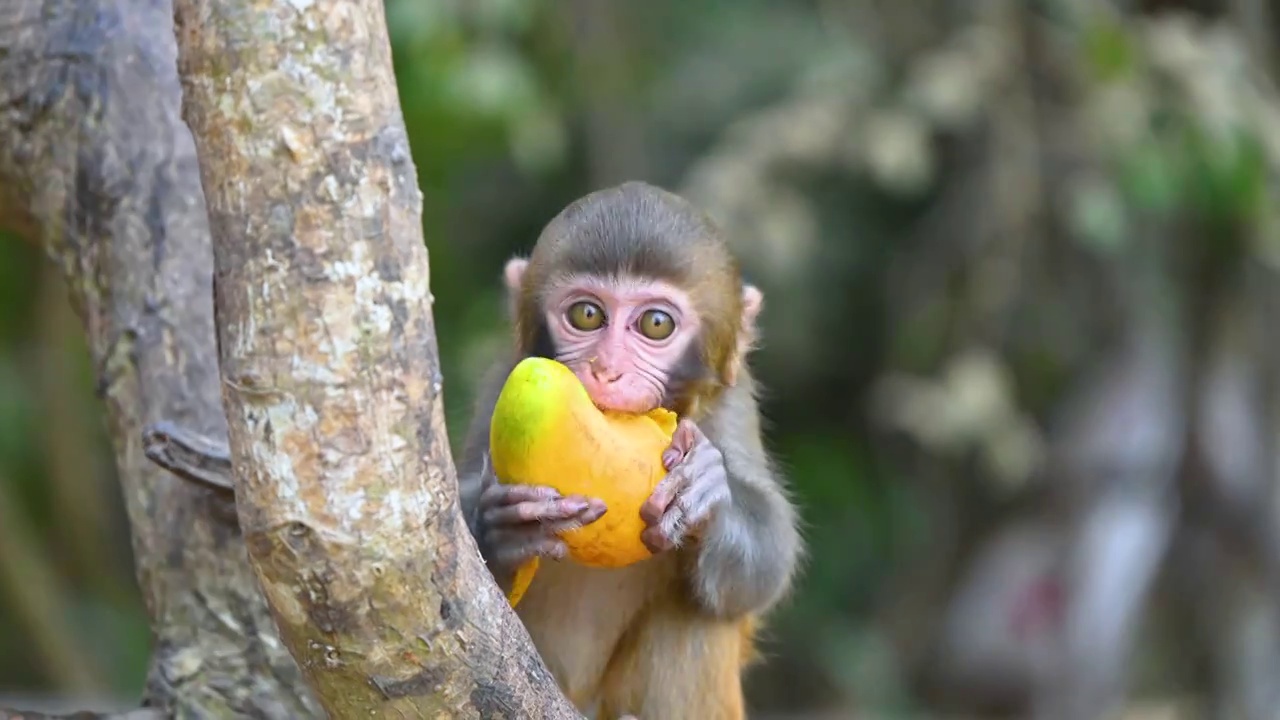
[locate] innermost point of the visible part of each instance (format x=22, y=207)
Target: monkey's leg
x=676, y=665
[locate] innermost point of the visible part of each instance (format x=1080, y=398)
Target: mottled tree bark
x=145, y=714
x=96, y=163
x=345, y=486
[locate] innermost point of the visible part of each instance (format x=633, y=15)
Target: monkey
x=635, y=290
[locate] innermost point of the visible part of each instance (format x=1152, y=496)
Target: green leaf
x=1108, y=51
x=1227, y=174
x=1151, y=176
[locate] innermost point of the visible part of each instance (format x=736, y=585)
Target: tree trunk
x=345, y=487
x=96, y=163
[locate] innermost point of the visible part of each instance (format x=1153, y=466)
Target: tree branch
x=96, y=163
x=132, y=715
x=345, y=487
x=190, y=456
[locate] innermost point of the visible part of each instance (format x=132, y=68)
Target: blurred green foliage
x=908, y=184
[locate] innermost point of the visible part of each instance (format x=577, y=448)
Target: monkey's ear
x=752, y=303
x=513, y=273
x=513, y=278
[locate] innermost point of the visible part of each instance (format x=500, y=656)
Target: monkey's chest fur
x=582, y=619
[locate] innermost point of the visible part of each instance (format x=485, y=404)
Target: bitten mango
x=546, y=431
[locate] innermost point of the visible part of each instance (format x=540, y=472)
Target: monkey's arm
x=474, y=471
x=751, y=546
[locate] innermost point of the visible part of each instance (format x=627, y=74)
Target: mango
x=546, y=431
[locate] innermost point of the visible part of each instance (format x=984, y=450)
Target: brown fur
x=652, y=654
x=667, y=638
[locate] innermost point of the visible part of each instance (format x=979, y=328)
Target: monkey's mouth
x=623, y=396
x=639, y=407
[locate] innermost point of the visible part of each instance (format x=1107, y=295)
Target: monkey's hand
x=696, y=485
x=520, y=522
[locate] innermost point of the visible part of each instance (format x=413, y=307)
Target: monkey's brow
x=622, y=280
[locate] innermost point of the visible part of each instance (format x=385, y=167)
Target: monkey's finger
x=671, y=457
x=683, y=441
x=706, y=467
x=595, y=510
x=552, y=526
x=497, y=495
x=525, y=493
x=656, y=540
x=700, y=499
x=668, y=533
x=516, y=547
x=656, y=506
x=535, y=511
x=557, y=526
x=708, y=482
x=674, y=522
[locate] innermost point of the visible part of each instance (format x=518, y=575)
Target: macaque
x=637, y=293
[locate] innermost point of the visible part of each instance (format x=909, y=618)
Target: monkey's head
x=635, y=290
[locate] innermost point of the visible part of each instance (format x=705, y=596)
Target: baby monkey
x=637, y=293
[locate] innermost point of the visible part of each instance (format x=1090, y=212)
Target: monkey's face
x=623, y=337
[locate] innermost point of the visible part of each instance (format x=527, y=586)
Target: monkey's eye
x=656, y=325
x=585, y=316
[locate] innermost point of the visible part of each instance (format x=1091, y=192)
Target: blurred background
x=1019, y=261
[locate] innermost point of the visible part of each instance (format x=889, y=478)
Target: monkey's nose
x=603, y=374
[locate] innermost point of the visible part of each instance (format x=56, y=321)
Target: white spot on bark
x=367, y=287
x=293, y=143
x=380, y=318
x=355, y=267
x=247, y=332
x=313, y=372
x=285, y=419
x=393, y=508
x=351, y=504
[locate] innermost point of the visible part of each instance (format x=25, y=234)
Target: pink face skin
x=622, y=368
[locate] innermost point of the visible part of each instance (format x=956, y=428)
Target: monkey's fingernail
x=654, y=540
x=576, y=506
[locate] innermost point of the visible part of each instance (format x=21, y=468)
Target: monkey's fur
x=666, y=638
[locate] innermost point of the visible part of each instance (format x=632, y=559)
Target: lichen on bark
x=345, y=486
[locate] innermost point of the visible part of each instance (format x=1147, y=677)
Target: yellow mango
x=546, y=431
